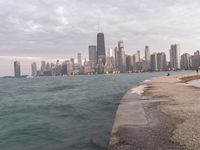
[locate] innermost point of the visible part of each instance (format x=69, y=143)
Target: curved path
x=139, y=125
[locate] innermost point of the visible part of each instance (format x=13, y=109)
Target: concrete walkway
x=140, y=126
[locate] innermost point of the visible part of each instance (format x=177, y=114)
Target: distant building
x=79, y=59
x=175, y=56
x=138, y=56
x=120, y=56
x=64, y=68
x=43, y=67
x=147, y=62
x=195, y=61
x=161, y=61
x=129, y=63
x=124, y=62
x=70, y=67
x=92, y=56
x=87, y=68
x=147, y=53
x=134, y=63
x=101, y=50
x=34, y=69
x=72, y=61
x=109, y=66
x=17, y=70
x=154, y=66
x=146, y=65
x=111, y=54
x=116, y=53
x=185, y=61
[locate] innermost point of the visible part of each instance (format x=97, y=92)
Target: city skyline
x=115, y=61
x=137, y=53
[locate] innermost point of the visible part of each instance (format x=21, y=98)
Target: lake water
x=62, y=113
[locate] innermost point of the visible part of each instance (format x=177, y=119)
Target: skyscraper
x=120, y=56
x=175, y=56
x=79, y=59
x=147, y=62
x=124, y=65
x=92, y=56
x=34, y=69
x=101, y=52
x=147, y=53
x=154, y=62
x=111, y=54
x=17, y=70
x=134, y=62
x=116, y=57
x=43, y=67
x=129, y=63
x=195, y=61
x=109, y=61
x=72, y=61
x=161, y=61
x=185, y=61
x=138, y=56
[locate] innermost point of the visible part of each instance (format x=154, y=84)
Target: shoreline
x=157, y=118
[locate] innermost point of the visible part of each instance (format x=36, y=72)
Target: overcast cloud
x=61, y=28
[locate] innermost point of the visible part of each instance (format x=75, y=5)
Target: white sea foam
x=146, y=81
x=139, y=89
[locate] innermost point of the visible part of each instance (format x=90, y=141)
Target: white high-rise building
x=175, y=56
x=138, y=56
x=147, y=62
x=147, y=53
x=34, y=69
x=79, y=59
x=111, y=54
x=120, y=56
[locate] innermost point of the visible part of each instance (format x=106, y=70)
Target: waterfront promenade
x=164, y=116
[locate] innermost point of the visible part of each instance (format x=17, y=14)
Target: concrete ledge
x=140, y=125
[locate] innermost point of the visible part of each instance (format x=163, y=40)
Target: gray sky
x=61, y=28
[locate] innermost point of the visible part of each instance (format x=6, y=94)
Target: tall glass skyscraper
x=92, y=55
x=101, y=52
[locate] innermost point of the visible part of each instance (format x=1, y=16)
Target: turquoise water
x=61, y=113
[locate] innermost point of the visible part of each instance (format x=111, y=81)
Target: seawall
x=160, y=114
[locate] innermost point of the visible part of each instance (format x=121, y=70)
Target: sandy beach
x=165, y=116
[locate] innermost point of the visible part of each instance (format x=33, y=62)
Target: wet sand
x=166, y=116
